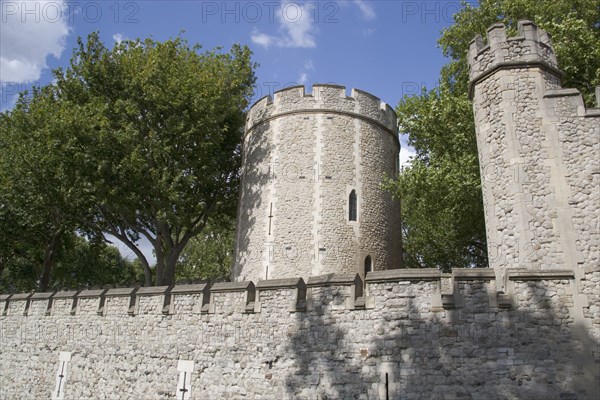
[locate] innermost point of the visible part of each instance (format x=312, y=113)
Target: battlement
x=532, y=47
x=332, y=292
x=324, y=99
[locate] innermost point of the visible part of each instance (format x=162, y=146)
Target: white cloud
x=296, y=27
x=368, y=31
x=262, y=39
x=366, y=9
x=406, y=153
x=27, y=39
x=118, y=37
x=308, y=67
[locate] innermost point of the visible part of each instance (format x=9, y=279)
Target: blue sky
x=387, y=48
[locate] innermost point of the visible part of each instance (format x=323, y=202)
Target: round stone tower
x=311, y=201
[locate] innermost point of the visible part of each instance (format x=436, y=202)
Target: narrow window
x=368, y=264
x=352, y=206
x=387, y=387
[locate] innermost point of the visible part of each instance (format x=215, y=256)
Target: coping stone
x=526, y=275
x=151, y=290
x=332, y=279
x=91, y=293
x=232, y=286
x=469, y=274
x=120, y=292
x=404, y=274
x=191, y=288
x=285, y=283
x=21, y=296
x=42, y=295
x=66, y=294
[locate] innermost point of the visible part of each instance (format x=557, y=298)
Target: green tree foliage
x=86, y=264
x=573, y=24
x=79, y=264
x=142, y=140
x=443, y=220
x=160, y=152
x=209, y=256
x=37, y=205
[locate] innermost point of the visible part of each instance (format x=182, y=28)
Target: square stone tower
x=539, y=151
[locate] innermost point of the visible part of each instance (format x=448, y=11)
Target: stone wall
x=303, y=156
x=412, y=334
x=539, y=151
x=527, y=328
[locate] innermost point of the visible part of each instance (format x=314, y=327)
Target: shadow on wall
x=255, y=176
x=403, y=350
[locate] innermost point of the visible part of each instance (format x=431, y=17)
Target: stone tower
x=311, y=201
x=538, y=150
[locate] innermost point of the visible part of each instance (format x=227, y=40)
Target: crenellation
x=304, y=156
x=19, y=304
x=531, y=48
x=4, y=303
x=41, y=303
x=119, y=300
x=153, y=300
x=227, y=298
x=295, y=293
x=335, y=291
x=338, y=321
x=403, y=329
x=323, y=98
x=192, y=298
x=91, y=301
x=232, y=297
x=63, y=306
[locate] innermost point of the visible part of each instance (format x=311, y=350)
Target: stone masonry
x=539, y=151
x=304, y=156
x=528, y=327
x=413, y=334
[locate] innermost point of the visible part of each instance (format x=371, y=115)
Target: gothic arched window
x=352, y=206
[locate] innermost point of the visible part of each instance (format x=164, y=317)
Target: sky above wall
x=388, y=48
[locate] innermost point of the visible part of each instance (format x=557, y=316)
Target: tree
x=157, y=152
x=443, y=220
x=442, y=213
x=139, y=141
x=86, y=264
x=209, y=256
x=38, y=208
x=78, y=264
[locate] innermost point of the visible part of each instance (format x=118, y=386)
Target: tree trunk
x=160, y=264
x=170, y=266
x=147, y=272
x=143, y=261
x=138, y=253
x=46, y=273
x=172, y=259
x=48, y=263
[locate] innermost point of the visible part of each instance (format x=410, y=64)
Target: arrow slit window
x=352, y=206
